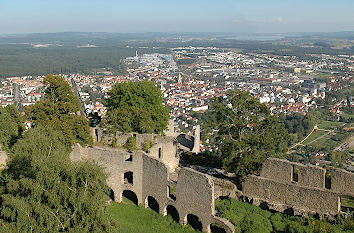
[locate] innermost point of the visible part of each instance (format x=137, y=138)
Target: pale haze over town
x=254, y=16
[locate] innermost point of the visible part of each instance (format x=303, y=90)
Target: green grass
x=129, y=218
x=348, y=201
x=328, y=125
x=314, y=136
x=327, y=142
x=252, y=219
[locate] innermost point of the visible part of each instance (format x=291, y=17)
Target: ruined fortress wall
x=141, y=138
x=277, y=169
x=282, y=170
x=168, y=154
x=342, y=181
x=310, y=175
x=154, y=181
x=115, y=164
x=304, y=187
x=195, y=195
x=285, y=195
x=194, y=190
x=225, y=188
x=122, y=138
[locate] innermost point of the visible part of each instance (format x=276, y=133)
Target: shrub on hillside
x=250, y=218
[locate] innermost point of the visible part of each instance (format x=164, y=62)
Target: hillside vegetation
x=252, y=219
x=129, y=218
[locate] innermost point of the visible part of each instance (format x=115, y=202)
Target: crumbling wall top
x=277, y=169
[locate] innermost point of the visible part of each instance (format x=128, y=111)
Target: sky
x=234, y=16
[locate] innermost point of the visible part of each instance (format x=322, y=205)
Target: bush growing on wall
x=147, y=145
x=130, y=145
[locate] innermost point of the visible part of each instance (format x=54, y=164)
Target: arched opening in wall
x=328, y=179
x=153, y=204
x=264, y=206
x=172, y=211
x=194, y=222
x=131, y=196
x=295, y=174
x=111, y=194
x=217, y=228
x=289, y=211
x=128, y=178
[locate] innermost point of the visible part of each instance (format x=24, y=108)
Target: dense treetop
x=136, y=107
x=11, y=126
x=58, y=110
x=243, y=132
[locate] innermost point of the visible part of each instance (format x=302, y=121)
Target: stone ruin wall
x=162, y=145
x=194, y=191
x=342, y=181
x=276, y=187
x=305, y=195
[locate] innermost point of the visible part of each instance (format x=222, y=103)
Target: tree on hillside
x=41, y=190
x=11, y=126
x=243, y=132
x=298, y=125
x=136, y=107
x=58, y=110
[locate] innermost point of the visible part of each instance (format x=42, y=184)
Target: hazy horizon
x=224, y=16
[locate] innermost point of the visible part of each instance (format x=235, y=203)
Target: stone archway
x=216, y=229
x=172, y=211
x=194, y=221
x=130, y=195
x=153, y=204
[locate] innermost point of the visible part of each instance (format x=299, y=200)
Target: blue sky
x=246, y=16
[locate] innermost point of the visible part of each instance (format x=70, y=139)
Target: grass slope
x=252, y=219
x=129, y=218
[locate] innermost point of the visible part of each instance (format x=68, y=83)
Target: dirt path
x=300, y=143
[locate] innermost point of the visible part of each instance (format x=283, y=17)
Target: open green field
x=325, y=141
x=129, y=218
x=327, y=131
x=329, y=125
x=314, y=136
